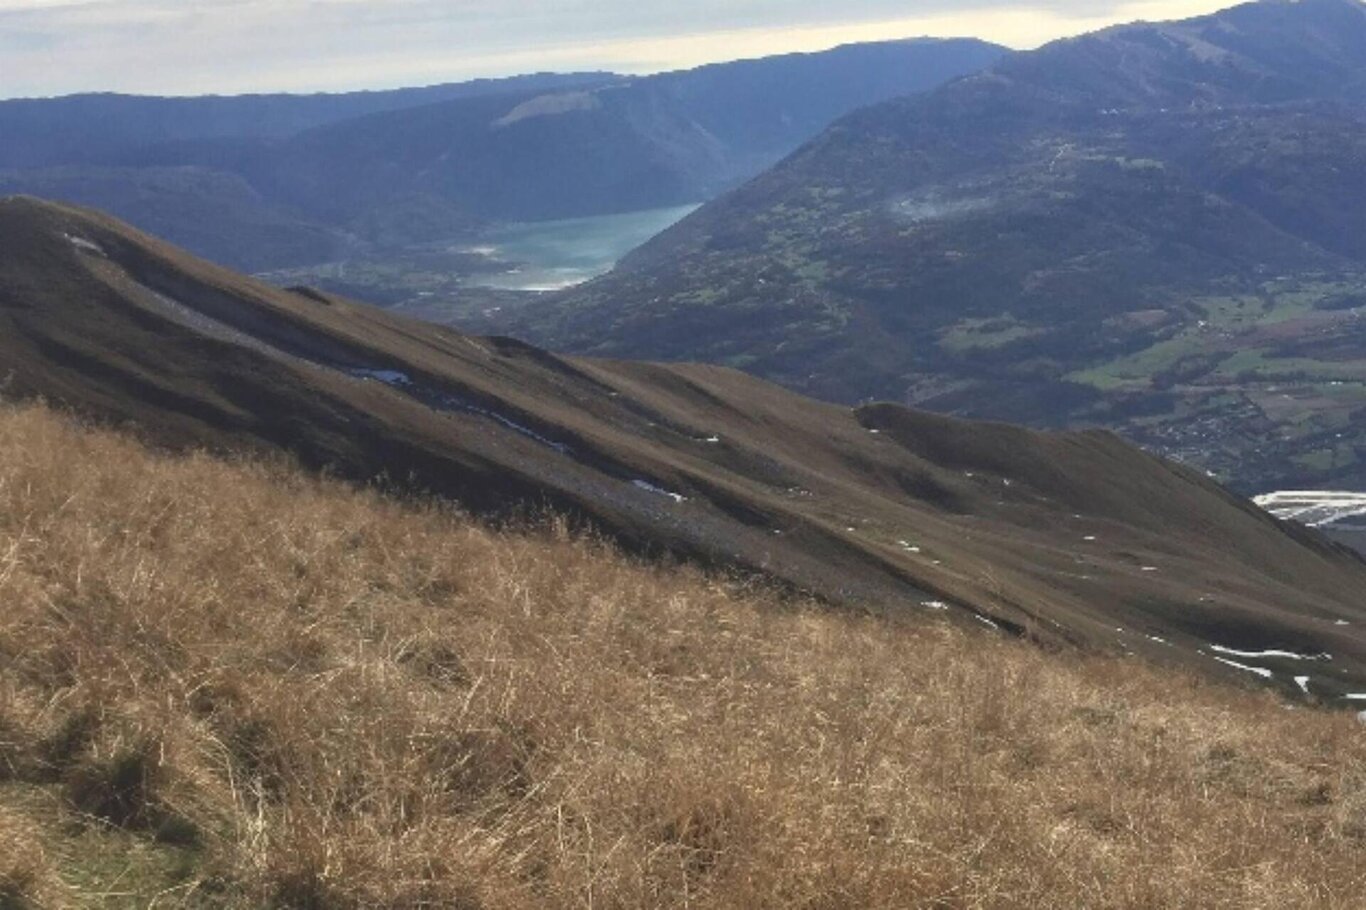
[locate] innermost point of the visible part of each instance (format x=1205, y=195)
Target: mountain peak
x=1270, y=51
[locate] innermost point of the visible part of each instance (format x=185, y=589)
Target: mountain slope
x=1075, y=538
x=1155, y=228
x=244, y=687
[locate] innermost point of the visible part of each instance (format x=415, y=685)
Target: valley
x=1262, y=388
x=1153, y=229
x=483, y=276
x=1263, y=385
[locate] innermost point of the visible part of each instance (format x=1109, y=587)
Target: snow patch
x=934, y=604
x=388, y=377
x=525, y=431
x=398, y=380
x=1287, y=655
x=1303, y=683
x=658, y=491
x=1260, y=671
x=88, y=246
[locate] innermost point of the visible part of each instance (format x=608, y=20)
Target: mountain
x=109, y=128
x=167, y=163
x=1156, y=228
x=1073, y=539
x=405, y=172
x=634, y=144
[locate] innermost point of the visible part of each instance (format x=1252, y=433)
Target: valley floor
x=232, y=685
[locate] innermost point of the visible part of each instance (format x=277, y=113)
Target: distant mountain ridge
x=422, y=165
x=1010, y=244
x=167, y=162
x=106, y=128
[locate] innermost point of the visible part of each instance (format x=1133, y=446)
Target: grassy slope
x=1068, y=538
x=228, y=684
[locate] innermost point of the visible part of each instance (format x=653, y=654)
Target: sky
x=189, y=47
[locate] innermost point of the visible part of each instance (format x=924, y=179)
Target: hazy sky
x=52, y=47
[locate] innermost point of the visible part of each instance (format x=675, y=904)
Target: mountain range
x=1156, y=228
x=1071, y=539
x=101, y=128
x=266, y=182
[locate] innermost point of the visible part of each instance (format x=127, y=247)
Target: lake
x=551, y=255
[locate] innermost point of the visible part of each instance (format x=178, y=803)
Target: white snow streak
x=1260, y=671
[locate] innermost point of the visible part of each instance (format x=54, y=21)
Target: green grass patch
x=985, y=334
x=1262, y=363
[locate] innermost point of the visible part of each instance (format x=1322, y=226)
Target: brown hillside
x=1069, y=538
x=236, y=686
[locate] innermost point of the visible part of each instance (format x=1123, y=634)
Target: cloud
x=192, y=46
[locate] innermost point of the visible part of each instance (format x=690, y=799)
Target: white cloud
x=193, y=46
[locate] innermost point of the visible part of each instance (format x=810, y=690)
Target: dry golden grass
x=259, y=689
x=26, y=873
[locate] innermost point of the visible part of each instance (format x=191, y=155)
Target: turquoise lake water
x=560, y=254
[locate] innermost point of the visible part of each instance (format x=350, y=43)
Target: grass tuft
x=27, y=876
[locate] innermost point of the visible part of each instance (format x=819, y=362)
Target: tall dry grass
x=328, y=699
